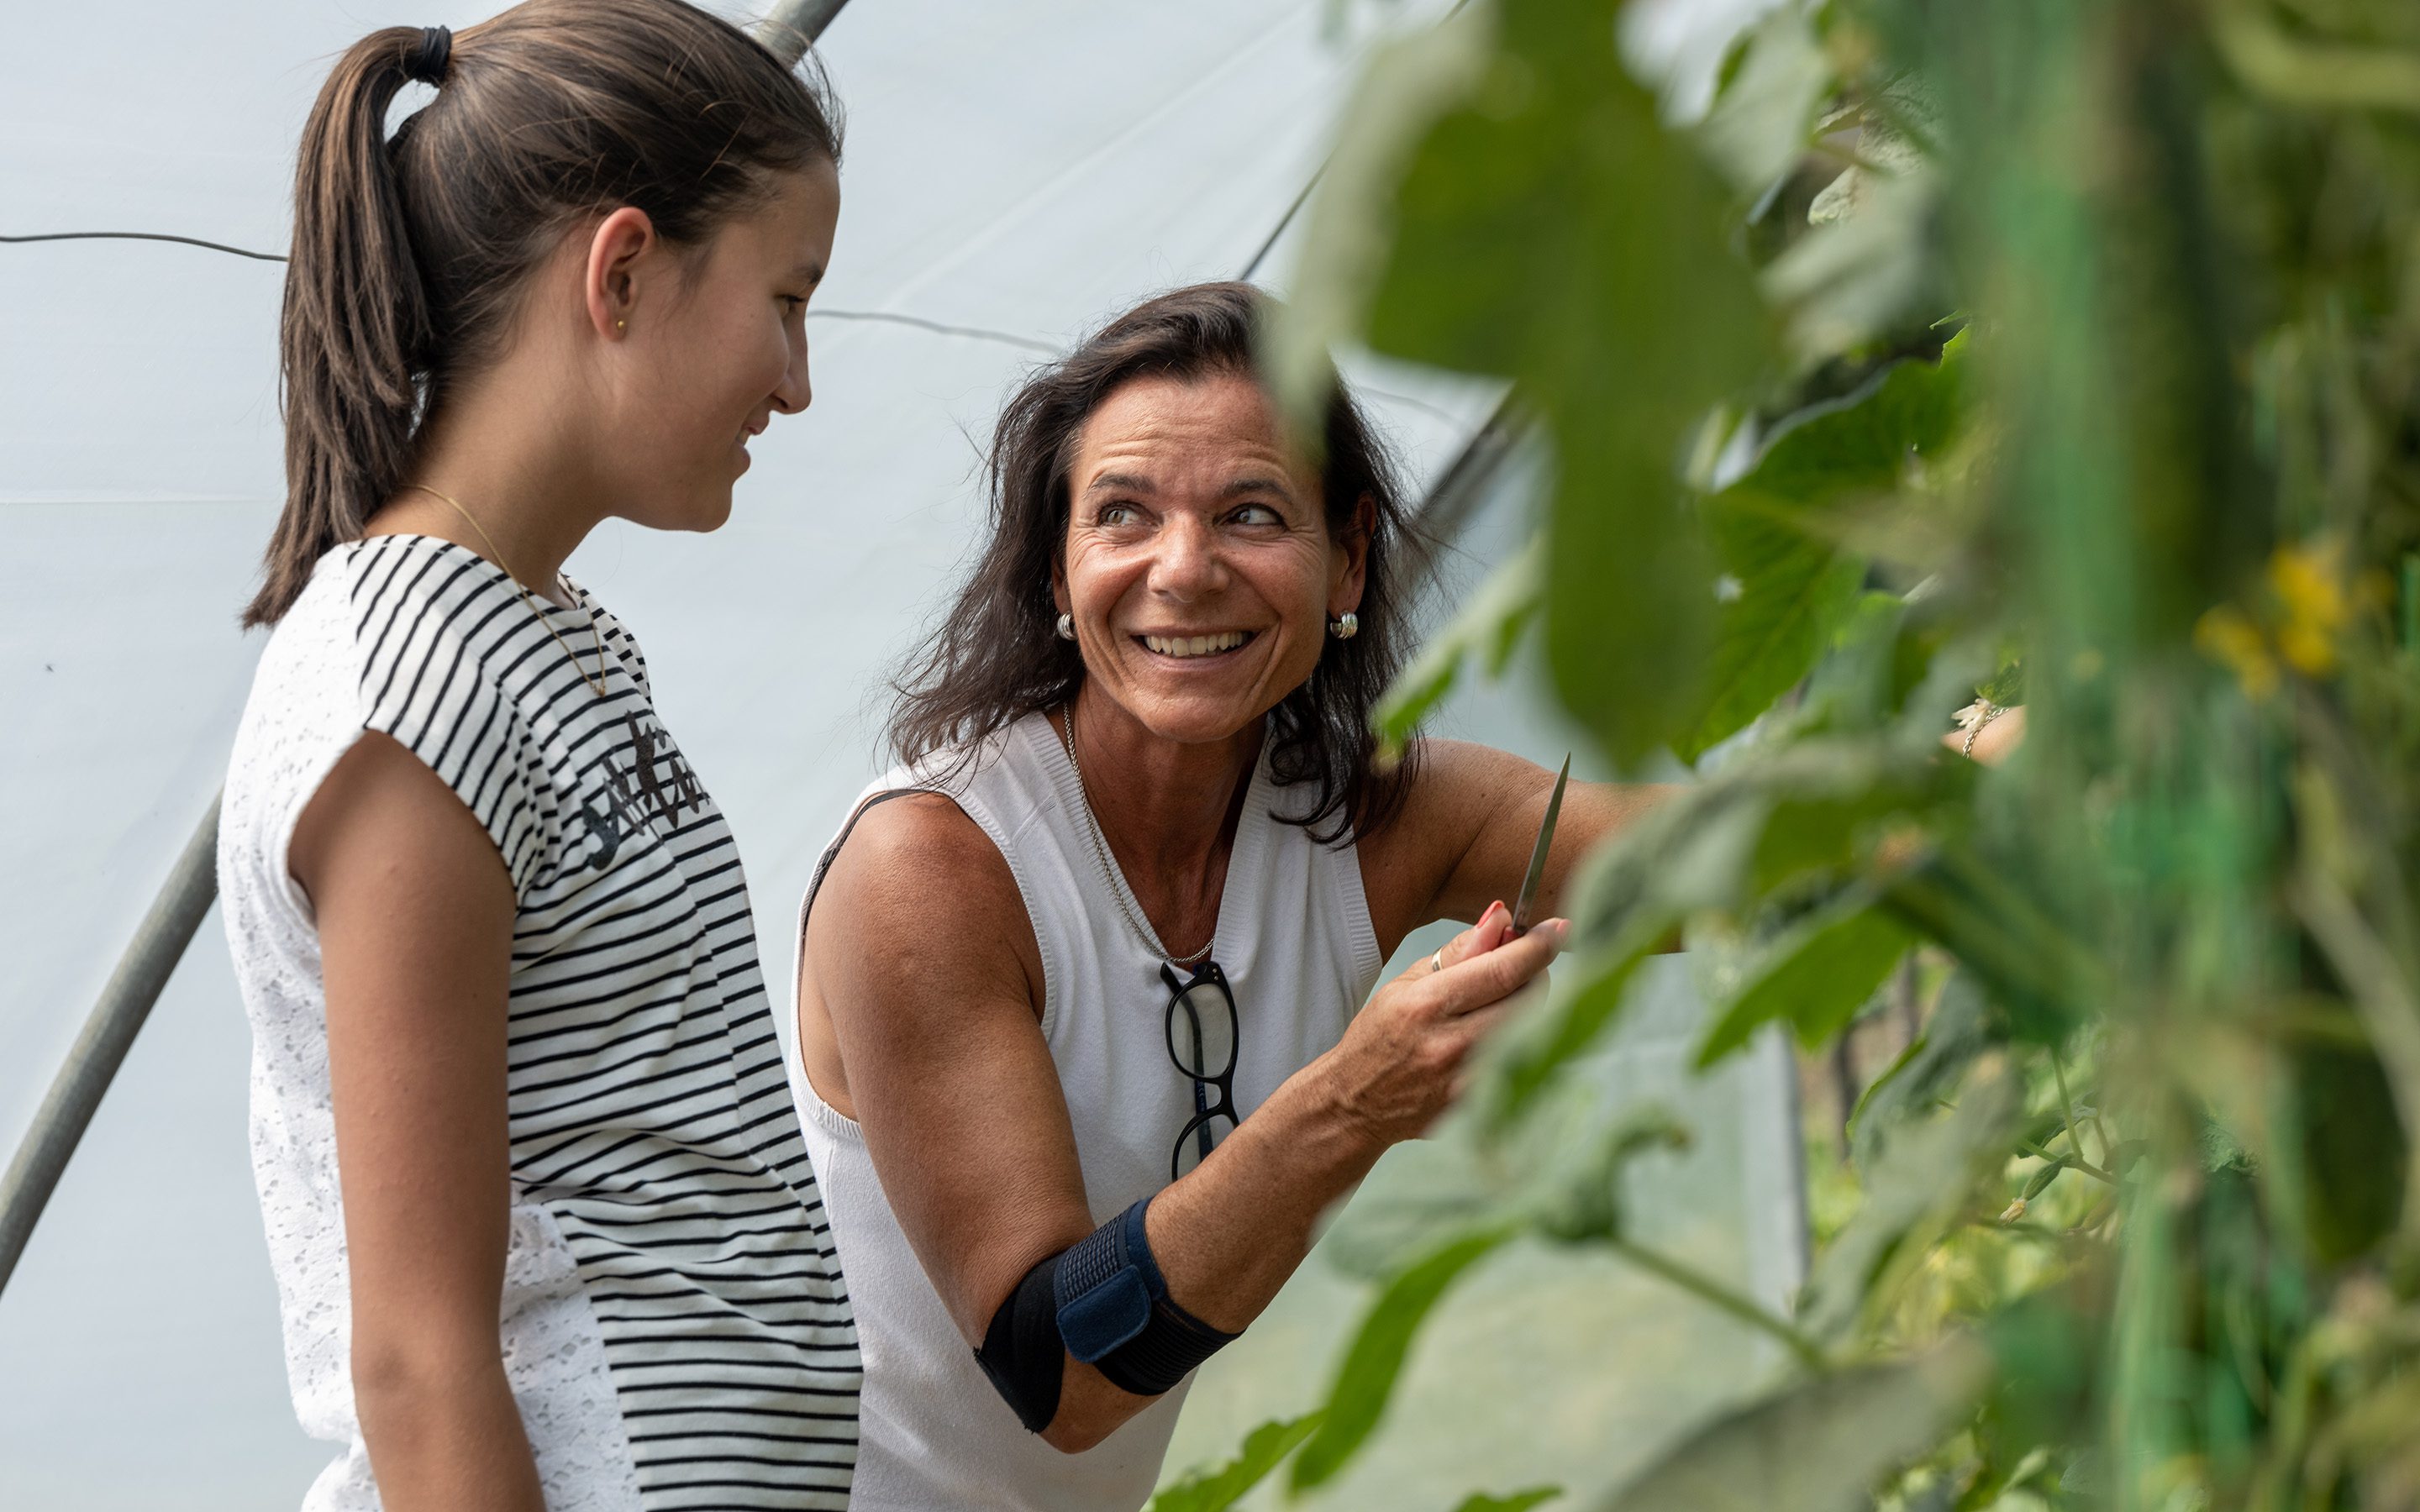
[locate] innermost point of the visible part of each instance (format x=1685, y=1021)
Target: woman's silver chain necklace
x=1110, y=874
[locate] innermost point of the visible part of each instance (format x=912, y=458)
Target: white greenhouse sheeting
x=1025, y=169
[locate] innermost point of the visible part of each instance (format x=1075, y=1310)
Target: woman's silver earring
x=1345, y=626
x=1066, y=627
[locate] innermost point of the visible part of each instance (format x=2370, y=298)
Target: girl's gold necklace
x=596, y=684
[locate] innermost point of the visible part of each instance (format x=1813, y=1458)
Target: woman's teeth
x=1196, y=645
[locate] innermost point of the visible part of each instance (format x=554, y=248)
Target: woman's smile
x=1198, y=566
x=1202, y=649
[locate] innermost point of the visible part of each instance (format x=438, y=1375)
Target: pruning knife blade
x=1538, y=853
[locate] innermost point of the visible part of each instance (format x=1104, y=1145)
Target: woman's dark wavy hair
x=411, y=251
x=996, y=657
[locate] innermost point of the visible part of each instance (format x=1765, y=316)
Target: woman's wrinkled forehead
x=1214, y=433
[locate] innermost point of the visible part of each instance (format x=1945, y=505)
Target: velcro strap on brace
x=1104, y=1302
x=1115, y=1313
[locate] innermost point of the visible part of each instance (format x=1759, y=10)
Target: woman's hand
x=1399, y=1064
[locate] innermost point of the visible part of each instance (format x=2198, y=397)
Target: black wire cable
x=148, y=236
x=981, y=333
x=1269, y=243
x=1260, y=256
x=884, y=316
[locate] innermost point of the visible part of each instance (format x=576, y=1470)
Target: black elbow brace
x=1104, y=1303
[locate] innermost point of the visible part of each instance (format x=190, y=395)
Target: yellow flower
x=2308, y=581
x=2226, y=636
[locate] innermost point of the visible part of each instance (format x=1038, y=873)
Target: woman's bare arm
x=1463, y=835
x=933, y=1011
x=415, y=920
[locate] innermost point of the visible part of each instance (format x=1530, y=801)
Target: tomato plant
x=2050, y=349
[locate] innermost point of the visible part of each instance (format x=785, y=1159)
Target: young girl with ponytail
x=544, y=1232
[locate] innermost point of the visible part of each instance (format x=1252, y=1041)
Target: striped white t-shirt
x=675, y=1325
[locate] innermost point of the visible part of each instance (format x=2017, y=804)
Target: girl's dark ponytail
x=409, y=252
x=356, y=321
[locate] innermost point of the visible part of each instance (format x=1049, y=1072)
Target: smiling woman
x=999, y=654
x=1200, y=571
x=1083, y=1048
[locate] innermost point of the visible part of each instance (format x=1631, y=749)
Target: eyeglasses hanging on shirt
x=1202, y=1037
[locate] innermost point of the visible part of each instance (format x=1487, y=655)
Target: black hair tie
x=428, y=62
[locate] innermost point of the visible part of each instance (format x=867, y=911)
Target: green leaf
x=2044, y=977
x=1876, y=659
x=2006, y=687
x=1699, y=851
x=1760, y=122
x=1489, y=627
x=1556, y=1172
x=1523, y=1059
x=1864, y=442
x=2047, y=1347
x=1923, y=1179
x=1517, y=1501
x=1914, y=1087
x=1826, y=837
x=1583, y=1199
x=1351, y=224
x=1783, y=595
x=1552, y=174
x=1821, y=1445
x=1867, y=267
x=1815, y=978
x=1786, y=590
x=2345, y=1184
x=1375, y=1357
x=1430, y=1193
x=1208, y=1489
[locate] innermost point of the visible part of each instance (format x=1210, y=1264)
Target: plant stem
x=2067, y=1107
x=2074, y=1162
x=2092, y=1220
x=2027, y=1229
x=1706, y=1288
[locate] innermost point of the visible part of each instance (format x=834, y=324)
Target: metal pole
x=1460, y=488
x=1464, y=485
x=151, y=959
x=789, y=29
x=792, y=27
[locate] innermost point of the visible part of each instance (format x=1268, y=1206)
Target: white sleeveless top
x=673, y=1322
x=1294, y=940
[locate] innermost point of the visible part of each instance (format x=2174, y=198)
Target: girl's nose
x=793, y=394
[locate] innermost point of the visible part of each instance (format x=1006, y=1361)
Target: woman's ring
x=1436, y=962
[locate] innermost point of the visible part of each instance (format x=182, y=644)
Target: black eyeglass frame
x=1179, y=997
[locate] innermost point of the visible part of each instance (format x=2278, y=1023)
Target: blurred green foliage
x=2062, y=349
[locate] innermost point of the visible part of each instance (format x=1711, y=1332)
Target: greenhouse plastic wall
x=1015, y=174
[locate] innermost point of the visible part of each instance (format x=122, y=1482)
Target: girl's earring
x=1066, y=627
x=621, y=325
x=1345, y=626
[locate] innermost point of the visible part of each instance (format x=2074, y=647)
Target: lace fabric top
x=674, y=1323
